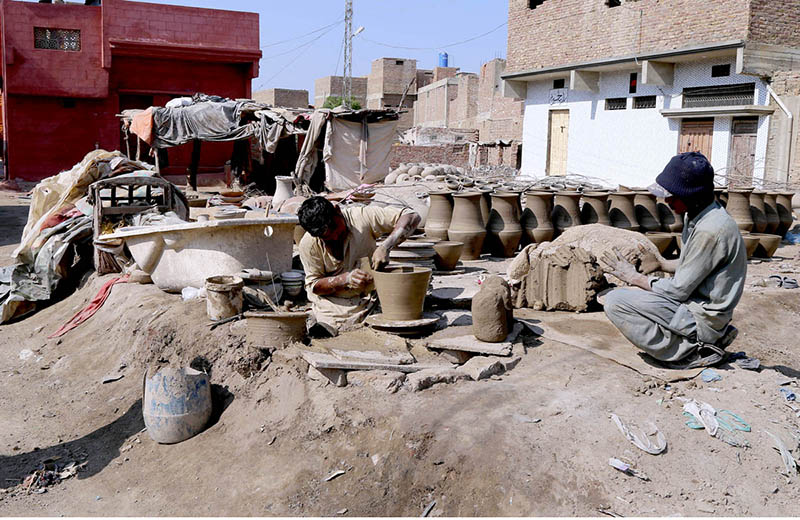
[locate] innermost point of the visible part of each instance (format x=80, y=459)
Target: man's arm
x=669, y=266
x=355, y=279
x=406, y=225
x=618, y=266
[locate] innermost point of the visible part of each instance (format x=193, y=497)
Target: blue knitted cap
x=687, y=175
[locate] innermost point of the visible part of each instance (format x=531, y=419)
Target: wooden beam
x=584, y=80
x=658, y=73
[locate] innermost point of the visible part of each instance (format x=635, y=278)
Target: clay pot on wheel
x=447, y=254
x=646, y=210
x=771, y=212
x=439, y=215
x=739, y=208
x=536, y=222
x=504, y=229
x=467, y=224
x=784, y=203
x=758, y=211
x=486, y=205
x=565, y=210
x=750, y=244
x=622, y=212
x=595, y=208
x=671, y=222
x=401, y=291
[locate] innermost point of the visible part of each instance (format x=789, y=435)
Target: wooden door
x=696, y=136
x=742, y=154
x=557, y=138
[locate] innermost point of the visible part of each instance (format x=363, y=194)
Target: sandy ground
x=475, y=448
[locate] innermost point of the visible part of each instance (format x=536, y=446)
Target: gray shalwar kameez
x=697, y=303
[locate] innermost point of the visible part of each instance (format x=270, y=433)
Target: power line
x=439, y=47
x=307, y=46
x=301, y=45
x=337, y=22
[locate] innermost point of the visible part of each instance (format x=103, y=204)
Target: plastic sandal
x=789, y=283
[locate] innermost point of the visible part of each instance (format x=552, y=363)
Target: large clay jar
x=486, y=205
x=739, y=208
x=646, y=210
x=757, y=211
x=439, y=215
x=536, y=222
x=565, y=210
x=504, y=229
x=771, y=212
x=621, y=210
x=595, y=208
x=467, y=224
x=671, y=222
x=784, y=203
x=283, y=190
x=401, y=291
x=721, y=194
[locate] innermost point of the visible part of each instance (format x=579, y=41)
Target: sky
x=292, y=60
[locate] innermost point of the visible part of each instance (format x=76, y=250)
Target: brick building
x=332, y=86
x=282, y=97
x=613, y=89
x=67, y=69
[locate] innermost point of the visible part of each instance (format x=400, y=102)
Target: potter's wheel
x=403, y=328
x=457, y=270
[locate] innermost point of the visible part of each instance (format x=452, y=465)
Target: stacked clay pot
x=439, y=215
x=565, y=210
x=646, y=211
x=739, y=208
x=771, y=212
x=504, y=228
x=467, y=224
x=671, y=222
x=758, y=211
x=784, y=203
x=536, y=219
x=595, y=208
x=621, y=210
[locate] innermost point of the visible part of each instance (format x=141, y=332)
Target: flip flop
x=706, y=355
x=789, y=283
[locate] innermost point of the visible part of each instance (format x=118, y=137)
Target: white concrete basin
x=184, y=255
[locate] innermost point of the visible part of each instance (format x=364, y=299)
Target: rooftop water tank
x=443, y=59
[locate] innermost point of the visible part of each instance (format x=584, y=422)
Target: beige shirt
x=364, y=225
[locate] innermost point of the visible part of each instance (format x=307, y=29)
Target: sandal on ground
x=705, y=355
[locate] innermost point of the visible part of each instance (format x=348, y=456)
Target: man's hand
x=617, y=265
x=380, y=257
x=650, y=261
x=358, y=279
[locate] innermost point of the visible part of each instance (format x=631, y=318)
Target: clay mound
x=564, y=274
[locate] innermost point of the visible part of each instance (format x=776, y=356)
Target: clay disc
x=457, y=270
x=378, y=322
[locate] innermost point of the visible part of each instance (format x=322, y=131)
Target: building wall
x=787, y=87
x=464, y=108
x=390, y=76
x=498, y=117
x=560, y=32
x=282, y=97
x=628, y=146
x=440, y=73
x=454, y=154
x=332, y=86
x=433, y=103
x=776, y=23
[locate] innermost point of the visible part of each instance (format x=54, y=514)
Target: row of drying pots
x=758, y=245
x=758, y=211
x=498, y=220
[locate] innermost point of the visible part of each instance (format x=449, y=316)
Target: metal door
x=741, y=158
x=696, y=136
x=557, y=138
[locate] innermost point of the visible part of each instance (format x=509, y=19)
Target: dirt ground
x=534, y=441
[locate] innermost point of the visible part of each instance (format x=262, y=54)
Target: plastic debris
x=723, y=425
x=748, y=363
x=788, y=394
x=609, y=512
x=627, y=469
x=335, y=474
x=640, y=439
x=192, y=293
x=710, y=375
x=705, y=414
x=428, y=509
x=789, y=464
x=341, y=511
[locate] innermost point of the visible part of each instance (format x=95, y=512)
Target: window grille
x=721, y=96
x=644, y=102
x=57, y=39
x=616, y=103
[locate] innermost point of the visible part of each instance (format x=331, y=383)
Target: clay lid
x=623, y=193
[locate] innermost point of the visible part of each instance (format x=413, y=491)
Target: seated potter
x=684, y=321
x=336, y=239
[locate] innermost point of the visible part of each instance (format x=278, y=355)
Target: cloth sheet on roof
x=357, y=153
x=206, y=121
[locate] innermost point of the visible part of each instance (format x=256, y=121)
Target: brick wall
x=332, y=86
x=464, y=108
x=498, y=117
x=440, y=73
x=424, y=77
x=456, y=155
x=560, y=32
x=282, y=97
x=390, y=76
x=776, y=23
x=787, y=86
x=432, y=104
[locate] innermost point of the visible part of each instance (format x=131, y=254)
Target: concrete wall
x=282, y=97
x=560, y=32
x=332, y=86
x=629, y=146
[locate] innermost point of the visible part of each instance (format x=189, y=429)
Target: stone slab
x=469, y=343
x=319, y=360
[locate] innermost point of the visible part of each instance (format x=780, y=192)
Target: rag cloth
x=142, y=125
x=93, y=306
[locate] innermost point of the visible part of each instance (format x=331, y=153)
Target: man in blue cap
x=684, y=321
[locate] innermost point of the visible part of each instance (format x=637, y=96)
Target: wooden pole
x=195, y=164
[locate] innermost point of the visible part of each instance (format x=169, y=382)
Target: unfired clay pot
x=622, y=212
x=439, y=215
x=275, y=329
x=646, y=210
x=784, y=203
x=671, y=222
x=283, y=190
x=662, y=241
x=467, y=224
x=565, y=210
x=721, y=194
x=757, y=211
x=401, y=291
x=595, y=208
x=486, y=205
x=750, y=244
x=771, y=212
x=447, y=254
x=536, y=221
x=767, y=244
x=739, y=208
x=504, y=229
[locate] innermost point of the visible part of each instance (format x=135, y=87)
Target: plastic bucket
x=176, y=404
x=224, y=297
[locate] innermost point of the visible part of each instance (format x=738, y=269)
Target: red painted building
x=68, y=69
